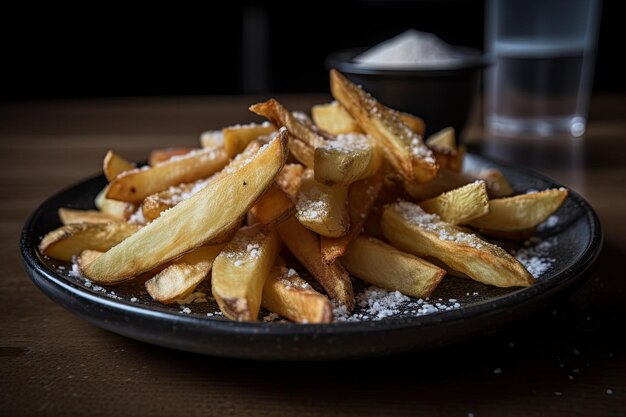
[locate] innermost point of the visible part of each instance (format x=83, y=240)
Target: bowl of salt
x=417, y=73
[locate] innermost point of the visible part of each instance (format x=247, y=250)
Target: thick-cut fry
x=212, y=139
x=155, y=204
x=349, y=158
x=241, y=269
x=71, y=216
x=408, y=227
x=183, y=276
x=210, y=213
x=161, y=155
x=334, y=119
x=280, y=116
x=521, y=212
x=446, y=180
x=68, y=241
x=237, y=137
x=497, y=184
x=289, y=179
x=288, y=295
x=443, y=140
x=382, y=265
x=404, y=149
x=133, y=186
x=321, y=208
x=302, y=152
x=113, y=165
x=305, y=246
x=118, y=209
x=273, y=207
x=443, y=145
x=461, y=205
x=86, y=257
x=361, y=197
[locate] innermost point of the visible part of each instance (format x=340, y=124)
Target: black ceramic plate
x=569, y=244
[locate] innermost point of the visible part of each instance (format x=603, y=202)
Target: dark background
x=234, y=47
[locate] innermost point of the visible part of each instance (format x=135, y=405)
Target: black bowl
x=443, y=96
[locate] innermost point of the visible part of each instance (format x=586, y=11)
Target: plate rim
x=34, y=265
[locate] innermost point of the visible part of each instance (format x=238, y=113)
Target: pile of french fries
x=354, y=191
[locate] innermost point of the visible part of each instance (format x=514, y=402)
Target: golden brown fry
x=273, y=207
x=382, y=265
x=443, y=145
x=161, y=155
x=288, y=295
x=321, y=208
x=118, y=209
x=86, y=257
x=408, y=227
x=133, y=186
x=461, y=205
x=361, y=198
x=237, y=137
x=71, y=216
x=212, y=139
x=241, y=269
x=182, y=277
x=521, y=212
x=446, y=180
x=497, y=184
x=404, y=149
x=280, y=116
x=416, y=124
x=290, y=178
x=68, y=241
x=302, y=152
x=305, y=246
x=212, y=212
x=113, y=165
x=348, y=158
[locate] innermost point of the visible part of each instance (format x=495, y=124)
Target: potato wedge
x=135, y=185
x=446, y=180
x=237, y=137
x=290, y=178
x=497, y=184
x=118, y=209
x=302, y=152
x=273, y=207
x=404, y=149
x=280, y=116
x=407, y=227
x=305, y=246
x=183, y=276
x=155, y=204
x=113, y=165
x=382, y=265
x=444, y=140
x=461, y=205
x=161, y=155
x=86, y=257
x=68, y=241
x=321, y=208
x=241, y=269
x=212, y=139
x=210, y=213
x=521, y=212
x=71, y=216
x=288, y=295
x=361, y=198
x=335, y=119
x=447, y=154
x=349, y=158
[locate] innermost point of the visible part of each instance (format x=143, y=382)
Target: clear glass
x=543, y=55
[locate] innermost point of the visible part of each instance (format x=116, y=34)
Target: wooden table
x=569, y=361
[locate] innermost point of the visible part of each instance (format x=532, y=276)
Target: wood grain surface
x=568, y=361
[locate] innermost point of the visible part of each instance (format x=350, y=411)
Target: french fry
x=443, y=140
x=404, y=149
x=322, y=208
x=497, y=184
x=155, y=204
x=113, y=165
x=69, y=241
x=86, y=257
x=407, y=227
x=237, y=137
x=305, y=246
x=302, y=152
x=118, y=209
x=161, y=155
x=181, y=278
x=71, y=216
x=280, y=116
x=446, y=180
x=521, y=212
x=273, y=207
x=135, y=185
x=210, y=213
x=416, y=124
x=461, y=205
x=349, y=158
x=382, y=265
x=241, y=269
x=447, y=154
x=288, y=295
x=289, y=179
x=212, y=139
x=361, y=198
